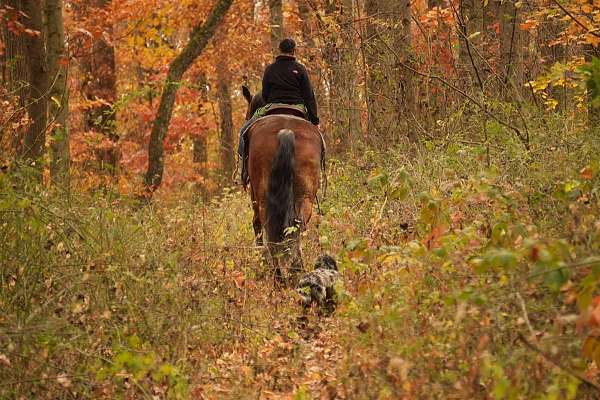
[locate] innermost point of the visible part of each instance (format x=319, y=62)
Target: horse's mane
x=256, y=103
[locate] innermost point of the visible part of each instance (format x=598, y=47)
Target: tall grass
x=103, y=297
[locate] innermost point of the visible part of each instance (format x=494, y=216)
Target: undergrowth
x=460, y=280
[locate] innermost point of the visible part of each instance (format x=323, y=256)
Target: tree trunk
x=374, y=57
x=336, y=74
x=405, y=96
x=15, y=69
x=511, y=57
x=100, y=83
x=344, y=108
x=470, y=22
x=276, y=21
x=589, y=52
x=59, y=95
x=349, y=57
x=35, y=137
x=304, y=13
x=311, y=53
x=200, y=150
x=200, y=36
x=391, y=85
x=226, y=118
x=200, y=139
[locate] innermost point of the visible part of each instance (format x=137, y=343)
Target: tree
x=99, y=86
x=511, y=44
x=35, y=137
x=341, y=55
x=200, y=150
x=226, y=117
x=405, y=95
x=374, y=54
x=276, y=22
x=58, y=92
x=469, y=22
x=200, y=36
x=15, y=65
x=390, y=82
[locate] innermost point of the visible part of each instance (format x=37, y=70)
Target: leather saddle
x=286, y=109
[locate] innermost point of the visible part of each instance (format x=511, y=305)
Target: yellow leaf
x=551, y=104
x=55, y=100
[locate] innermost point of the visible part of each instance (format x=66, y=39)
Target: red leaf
x=586, y=173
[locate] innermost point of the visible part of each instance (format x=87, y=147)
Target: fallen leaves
x=63, y=380
x=4, y=360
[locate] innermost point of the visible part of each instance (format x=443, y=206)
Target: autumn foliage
x=462, y=203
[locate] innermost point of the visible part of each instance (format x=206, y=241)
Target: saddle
x=277, y=109
x=286, y=109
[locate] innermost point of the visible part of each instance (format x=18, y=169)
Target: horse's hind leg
x=258, y=233
x=296, y=263
x=276, y=251
x=256, y=224
x=295, y=252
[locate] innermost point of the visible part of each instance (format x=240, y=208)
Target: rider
x=286, y=81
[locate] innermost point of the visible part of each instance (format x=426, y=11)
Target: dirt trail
x=303, y=360
x=320, y=358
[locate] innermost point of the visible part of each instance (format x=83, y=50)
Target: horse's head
x=254, y=102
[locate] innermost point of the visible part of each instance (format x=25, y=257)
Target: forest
x=459, y=201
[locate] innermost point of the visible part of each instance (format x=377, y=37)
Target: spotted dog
x=318, y=285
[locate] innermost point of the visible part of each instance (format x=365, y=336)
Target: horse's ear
x=246, y=93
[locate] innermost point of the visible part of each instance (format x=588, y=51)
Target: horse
x=284, y=166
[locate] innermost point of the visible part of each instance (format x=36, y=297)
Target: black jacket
x=286, y=81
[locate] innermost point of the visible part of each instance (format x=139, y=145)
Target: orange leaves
x=592, y=39
x=594, y=318
x=529, y=25
x=239, y=279
x=590, y=319
x=586, y=173
x=433, y=240
x=586, y=8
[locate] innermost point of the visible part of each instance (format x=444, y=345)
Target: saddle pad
x=281, y=106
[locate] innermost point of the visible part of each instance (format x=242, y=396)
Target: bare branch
x=451, y=86
x=557, y=364
x=575, y=19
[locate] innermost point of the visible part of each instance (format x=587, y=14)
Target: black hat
x=287, y=46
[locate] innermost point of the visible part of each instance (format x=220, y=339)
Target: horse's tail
x=280, y=195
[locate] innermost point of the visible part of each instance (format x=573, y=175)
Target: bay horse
x=284, y=165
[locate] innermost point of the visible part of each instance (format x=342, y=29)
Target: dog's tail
x=280, y=194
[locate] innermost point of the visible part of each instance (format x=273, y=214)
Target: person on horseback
x=285, y=82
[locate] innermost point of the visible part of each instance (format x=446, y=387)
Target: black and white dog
x=318, y=286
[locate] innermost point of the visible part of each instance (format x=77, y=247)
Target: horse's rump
x=267, y=123
x=263, y=144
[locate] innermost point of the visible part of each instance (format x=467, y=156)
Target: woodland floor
x=315, y=349
x=447, y=268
